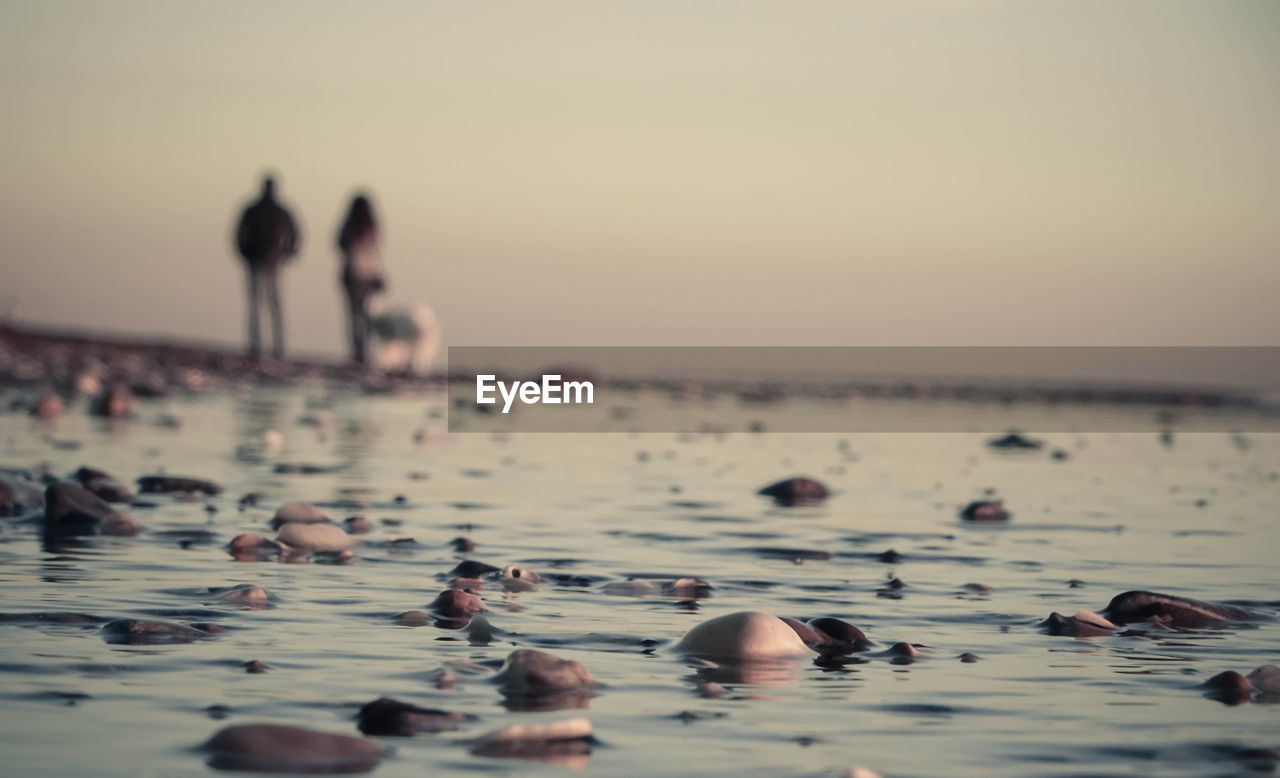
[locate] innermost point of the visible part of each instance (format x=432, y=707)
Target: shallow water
x=1123, y=512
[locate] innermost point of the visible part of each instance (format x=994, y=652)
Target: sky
x=656, y=172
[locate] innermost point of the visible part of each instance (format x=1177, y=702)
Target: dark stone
x=1230, y=688
x=280, y=749
x=385, y=716
x=796, y=491
x=984, y=510
x=141, y=632
x=456, y=604
x=469, y=568
x=1015, y=441
x=890, y=557
x=1166, y=609
x=161, y=484
x=71, y=510
x=840, y=636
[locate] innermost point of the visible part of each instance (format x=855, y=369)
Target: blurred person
x=267, y=238
x=361, y=272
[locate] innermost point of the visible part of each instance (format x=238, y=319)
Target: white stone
x=315, y=537
x=745, y=635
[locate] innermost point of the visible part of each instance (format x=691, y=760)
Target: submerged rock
x=1170, y=611
x=985, y=510
x=163, y=484
x=385, y=716
x=567, y=741
x=530, y=673
x=71, y=510
x=1230, y=688
x=143, y=632
x=457, y=604
x=245, y=594
x=745, y=635
x=281, y=749
x=1015, y=441
x=796, y=491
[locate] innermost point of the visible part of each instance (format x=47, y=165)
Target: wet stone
x=528, y=672
x=469, y=568
x=167, y=484
x=1015, y=441
x=71, y=510
x=798, y=491
x=315, y=537
x=985, y=510
x=385, y=716
x=1169, y=610
x=300, y=512
x=283, y=749
x=143, y=632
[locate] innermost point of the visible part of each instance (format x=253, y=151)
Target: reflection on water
x=636, y=539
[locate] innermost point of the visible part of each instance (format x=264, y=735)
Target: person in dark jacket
x=361, y=272
x=267, y=238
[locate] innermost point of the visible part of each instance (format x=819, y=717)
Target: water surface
x=1122, y=512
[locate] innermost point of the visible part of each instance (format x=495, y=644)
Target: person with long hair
x=361, y=271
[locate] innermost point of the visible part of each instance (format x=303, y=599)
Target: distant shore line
x=42, y=355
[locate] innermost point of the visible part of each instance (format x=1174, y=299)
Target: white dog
x=406, y=337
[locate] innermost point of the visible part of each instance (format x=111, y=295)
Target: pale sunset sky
x=657, y=172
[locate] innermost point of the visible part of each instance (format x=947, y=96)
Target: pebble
x=744, y=635
x=300, y=512
x=798, y=491
x=385, y=716
x=314, y=537
x=550, y=741
x=70, y=509
x=277, y=748
x=985, y=510
x=163, y=484
x=528, y=672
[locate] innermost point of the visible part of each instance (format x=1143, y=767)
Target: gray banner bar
x=863, y=389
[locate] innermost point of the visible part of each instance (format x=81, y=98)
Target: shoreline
x=56, y=359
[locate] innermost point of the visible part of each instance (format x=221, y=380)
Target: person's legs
x=255, y=341
x=358, y=326
x=277, y=322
